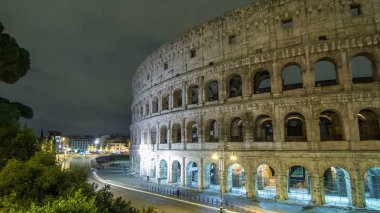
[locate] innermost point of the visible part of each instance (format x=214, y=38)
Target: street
x=143, y=199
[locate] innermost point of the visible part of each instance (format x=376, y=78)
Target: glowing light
x=215, y=156
x=233, y=157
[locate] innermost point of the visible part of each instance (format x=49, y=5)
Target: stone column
x=358, y=192
x=184, y=95
x=352, y=125
x=201, y=133
x=251, y=182
x=201, y=91
x=168, y=135
x=316, y=188
x=222, y=87
x=201, y=184
x=344, y=74
x=183, y=172
x=278, y=128
x=247, y=84
x=308, y=73
x=183, y=134
x=281, y=187
x=276, y=80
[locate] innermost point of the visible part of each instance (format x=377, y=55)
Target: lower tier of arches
x=323, y=178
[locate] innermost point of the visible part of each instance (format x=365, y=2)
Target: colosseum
x=289, y=88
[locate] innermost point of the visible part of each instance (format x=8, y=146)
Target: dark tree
x=14, y=60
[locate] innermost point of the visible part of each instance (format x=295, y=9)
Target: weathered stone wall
x=321, y=30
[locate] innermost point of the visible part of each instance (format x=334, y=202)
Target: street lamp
x=220, y=156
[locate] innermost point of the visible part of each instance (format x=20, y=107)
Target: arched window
x=154, y=105
x=236, y=130
x=212, y=131
x=176, y=133
x=165, y=102
x=330, y=127
x=147, y=108
x=295, y=128
x=193, y=94
x=164, y=135
x=291, y=77
x=194, y=134
x=177, y=98
x=235, y=86
x=368, y=125
x=263, y=129
x=325, y=73
x=261, y=82
x=213, y=91
x=363, y=69
x=163, y=170
x=153, y=135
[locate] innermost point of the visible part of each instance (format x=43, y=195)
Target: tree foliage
x=14, y=60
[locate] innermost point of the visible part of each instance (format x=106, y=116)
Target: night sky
x=84, y=54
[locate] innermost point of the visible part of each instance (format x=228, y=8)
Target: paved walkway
x=212, y=197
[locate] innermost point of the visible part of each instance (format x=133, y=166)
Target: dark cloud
x=84, y=54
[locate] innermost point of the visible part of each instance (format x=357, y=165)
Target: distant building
x=81, y=143
x=56, y=140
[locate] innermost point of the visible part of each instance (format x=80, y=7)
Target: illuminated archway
x=337, y=186
x=163, y=170
x=372, y=188
x=265, y=181
x=192, y=174
x=212, y=178
x=236, y=179
x=176, y=172
x=299, y=187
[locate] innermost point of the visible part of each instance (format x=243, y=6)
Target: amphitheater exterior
x=290, y=87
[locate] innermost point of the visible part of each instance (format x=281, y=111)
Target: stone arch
x=193, y=94
x=263, y=129
x=212, y=88
x=372, y=188
x=147, y=108
x=330, y=126
x=176, y=133
x=192, y=174
x=153, y=135
x=291, y=76
x=325, y=72
x=152, y=168
x=212, y=177
x=163, y=135
x=337, y=187
x=141, y=110
x=237, y=130
x=163, y=172
x=192, y=132
x=212, y=131
x=154, y=104
x=368, y=122
x=177, y=98
x=176, y=172
x=299, y=184
x=236, y=179
x=363, y=67
x=261, y=81
x=235, y=86
x=165, y=102
x=265, y=181
x=295, y=127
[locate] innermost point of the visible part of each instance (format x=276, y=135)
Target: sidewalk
x=212, y=197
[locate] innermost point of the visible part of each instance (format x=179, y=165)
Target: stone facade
x=232, y=83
